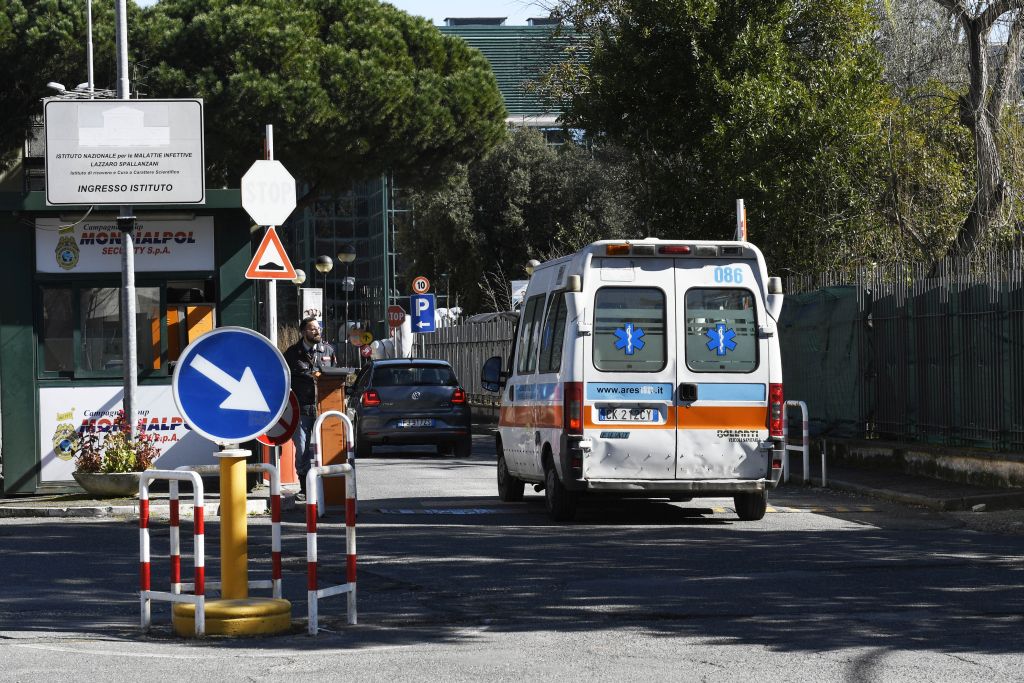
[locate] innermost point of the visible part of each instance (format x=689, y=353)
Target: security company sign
x=231, y=385
x=124, y=152
x=95, y=246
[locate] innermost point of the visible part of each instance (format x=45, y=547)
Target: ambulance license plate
x=416, y=422
x=627, y=415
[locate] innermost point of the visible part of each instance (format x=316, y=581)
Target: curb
x=992, y=501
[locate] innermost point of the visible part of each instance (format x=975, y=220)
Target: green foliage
x=353, y=87
x=524, y=200
x=780, y=103
x=116, y=451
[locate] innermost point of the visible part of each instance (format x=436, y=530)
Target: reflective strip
x=311, y=576
x=722, y=417
x=144, y=576
x=311, y=547
x=175, y=520
x=731, y=392
x=144, y=513
x=350, y=573
x=198, y=518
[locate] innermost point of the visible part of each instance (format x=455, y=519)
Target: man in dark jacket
x=306, y=359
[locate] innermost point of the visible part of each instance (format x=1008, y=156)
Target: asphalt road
x=455, y=585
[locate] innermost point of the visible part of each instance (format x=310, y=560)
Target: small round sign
x=280, y=433
x=366, y=338
x=366, y=351
x=355, y=337
x=396, y=316
x=420, y=285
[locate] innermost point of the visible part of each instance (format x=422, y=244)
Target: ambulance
x=645, y=368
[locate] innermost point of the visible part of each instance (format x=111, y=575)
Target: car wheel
x=464, y=447
x=510, y=489
x=560, y=501
x=751, y=507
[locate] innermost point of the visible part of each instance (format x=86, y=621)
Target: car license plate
x=627, y=414
x=416, y=422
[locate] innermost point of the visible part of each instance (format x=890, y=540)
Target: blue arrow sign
x=422, y=312
x=231, y=385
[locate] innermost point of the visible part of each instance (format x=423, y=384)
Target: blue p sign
x=422, y=307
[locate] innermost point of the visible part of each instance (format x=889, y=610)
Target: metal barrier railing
x=805, y=443
x=275, y=525
x=349, y=587
x=146, y=594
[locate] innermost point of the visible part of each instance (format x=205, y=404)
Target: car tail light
x=776, y=410
x=370, y=398
x=458, y=396
x=572, y=408
x=617, y=250
x=674, y=249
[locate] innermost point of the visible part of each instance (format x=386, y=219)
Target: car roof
x=402, y=362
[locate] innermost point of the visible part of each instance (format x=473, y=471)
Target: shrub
x=115, y=450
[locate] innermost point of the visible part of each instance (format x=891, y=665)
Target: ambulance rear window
x=629, y=329
x=721, y=330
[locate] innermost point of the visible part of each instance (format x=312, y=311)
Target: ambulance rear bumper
x=706, y=487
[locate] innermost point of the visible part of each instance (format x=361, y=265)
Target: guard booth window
x=81, y=327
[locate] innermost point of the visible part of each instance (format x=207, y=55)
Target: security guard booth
x=60, y=327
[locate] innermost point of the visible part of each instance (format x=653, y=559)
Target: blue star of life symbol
x=721, y=339
x=630, y=339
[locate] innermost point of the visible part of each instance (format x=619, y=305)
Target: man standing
x=306, y=359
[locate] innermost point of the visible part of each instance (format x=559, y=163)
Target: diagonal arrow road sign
x=243, y=394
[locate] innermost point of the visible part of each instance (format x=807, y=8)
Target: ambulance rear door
x=722, y=405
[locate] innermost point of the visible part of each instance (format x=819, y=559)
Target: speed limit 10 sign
x=420, y=285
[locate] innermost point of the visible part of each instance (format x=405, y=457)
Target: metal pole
x=271, y=284
x=126, y=223
x=344, y=340
x=88, y=44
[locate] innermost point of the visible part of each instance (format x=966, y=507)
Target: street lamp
x=346, y=255
x=300, y=277
x=324, y=264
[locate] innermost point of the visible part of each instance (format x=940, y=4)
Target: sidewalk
x=83, y=505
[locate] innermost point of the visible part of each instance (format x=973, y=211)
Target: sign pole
x=126, y=224
x=271, y=284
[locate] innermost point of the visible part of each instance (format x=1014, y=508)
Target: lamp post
x=324, y=264
x=346, y=255
x=300, y=277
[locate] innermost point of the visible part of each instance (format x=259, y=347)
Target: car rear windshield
x=415, y=375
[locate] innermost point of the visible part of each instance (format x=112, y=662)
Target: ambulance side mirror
x=574, y=283
x=491, y=376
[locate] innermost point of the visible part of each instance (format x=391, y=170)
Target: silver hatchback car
x=410, y=401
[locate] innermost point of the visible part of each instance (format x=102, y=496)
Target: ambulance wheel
x=751, y=507
x=560, y=501
x=510, y=489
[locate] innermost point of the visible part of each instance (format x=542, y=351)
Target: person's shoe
x=300, y=497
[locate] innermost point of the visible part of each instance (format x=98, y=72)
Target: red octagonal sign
x=396, y=316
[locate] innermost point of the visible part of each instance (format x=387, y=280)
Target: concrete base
x=248, y=617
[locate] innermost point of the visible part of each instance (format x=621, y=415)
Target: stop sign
x=396, y=316
x=268, y=192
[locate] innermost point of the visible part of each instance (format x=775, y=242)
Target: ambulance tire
x=751, y=507
x=510, y=489
x=560, y=501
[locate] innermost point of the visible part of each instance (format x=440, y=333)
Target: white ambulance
x=644, y=368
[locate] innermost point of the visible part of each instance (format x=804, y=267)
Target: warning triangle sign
x=270, y=261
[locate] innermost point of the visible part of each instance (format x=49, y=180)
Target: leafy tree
x=524, y=200
x=45, y=40
x=780, y=103
x=353, y=87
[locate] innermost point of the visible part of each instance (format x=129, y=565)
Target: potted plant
x=108, y=463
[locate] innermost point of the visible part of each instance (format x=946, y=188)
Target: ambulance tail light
x=572, y=408
x=370, y=398
x=674, y=249
x=458, y=396
x=776, y=410
x=617, y=250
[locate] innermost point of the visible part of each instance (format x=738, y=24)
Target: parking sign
x=422, y=317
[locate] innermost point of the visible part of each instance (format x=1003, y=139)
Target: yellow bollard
x=235, y=614
x=234, y=531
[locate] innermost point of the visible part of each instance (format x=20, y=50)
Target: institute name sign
x=124, y=152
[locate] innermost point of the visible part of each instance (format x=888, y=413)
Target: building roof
x=519, y=55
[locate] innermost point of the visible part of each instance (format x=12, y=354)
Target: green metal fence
x=911, y=354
